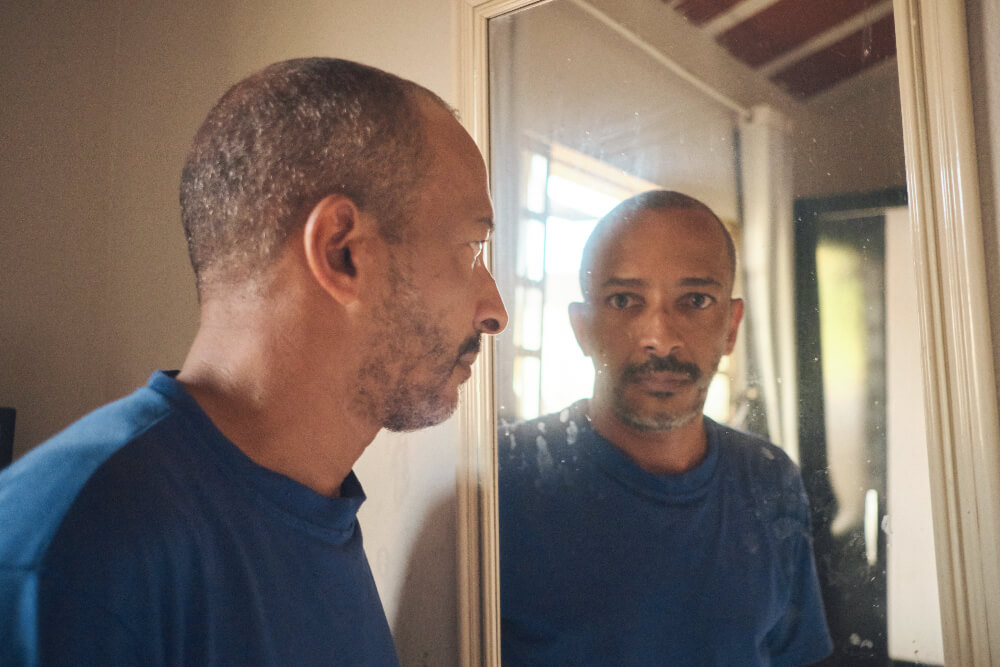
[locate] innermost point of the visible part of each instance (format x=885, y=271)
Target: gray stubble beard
x=658, y=421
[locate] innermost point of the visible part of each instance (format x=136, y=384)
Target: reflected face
x=438, y=297
x=659, y=317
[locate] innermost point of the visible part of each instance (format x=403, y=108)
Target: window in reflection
x=564, y=194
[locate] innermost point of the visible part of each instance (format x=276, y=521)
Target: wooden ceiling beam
x=786, y=25
x=841, y=60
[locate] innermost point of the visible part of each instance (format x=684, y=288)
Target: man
x=634, y=530
x=335, y=216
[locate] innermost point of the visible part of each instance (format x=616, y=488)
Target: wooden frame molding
x=478, y=557
x=963, y=427
x=961, y=401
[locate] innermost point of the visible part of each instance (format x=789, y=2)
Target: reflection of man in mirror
x=335, y=217
x=634, y=530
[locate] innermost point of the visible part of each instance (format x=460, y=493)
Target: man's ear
x=333, y=234
x=735, y=317
x=579, y=319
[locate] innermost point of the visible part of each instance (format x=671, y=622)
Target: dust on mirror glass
x=791, y=523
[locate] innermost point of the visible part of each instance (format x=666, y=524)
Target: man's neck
x=268, y=397
x=667, y=452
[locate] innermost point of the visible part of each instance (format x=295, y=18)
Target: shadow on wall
x=429, y=591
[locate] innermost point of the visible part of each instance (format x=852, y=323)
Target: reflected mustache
x=655, y=364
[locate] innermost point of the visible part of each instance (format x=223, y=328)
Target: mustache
x=472, y=344
x=655, y=364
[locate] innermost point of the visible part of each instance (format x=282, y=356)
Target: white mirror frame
x=963, y=432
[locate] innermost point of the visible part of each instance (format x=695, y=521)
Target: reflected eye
x=699, y=301
x=622, y=300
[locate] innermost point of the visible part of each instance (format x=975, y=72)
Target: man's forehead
x=455, y=161
x=454, y=194
x=656, y=244
x=664, y=231
x=444, y=131
x=615, y=281
x=682, y=223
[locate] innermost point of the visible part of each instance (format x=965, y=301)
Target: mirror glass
x=783, y=117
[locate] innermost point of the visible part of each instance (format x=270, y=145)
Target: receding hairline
x=422, y=101
x=418, y=92
x=222, y=126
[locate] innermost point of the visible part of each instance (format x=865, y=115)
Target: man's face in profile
x=659, y=316
x=438, y=297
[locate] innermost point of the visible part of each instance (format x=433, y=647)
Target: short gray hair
x=280, y=141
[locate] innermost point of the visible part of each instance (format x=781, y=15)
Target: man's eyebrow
x=615, y=281
x=692, y=281
x=696, y=281
x=488, y=221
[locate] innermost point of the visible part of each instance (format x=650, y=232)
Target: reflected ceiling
x=803, y=46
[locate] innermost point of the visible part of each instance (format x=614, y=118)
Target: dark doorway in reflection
x=841, y=294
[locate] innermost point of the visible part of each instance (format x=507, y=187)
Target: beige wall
x=57, y=69
x=100, y=101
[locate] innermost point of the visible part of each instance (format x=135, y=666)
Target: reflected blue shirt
x=140, y=535
x=603, y=563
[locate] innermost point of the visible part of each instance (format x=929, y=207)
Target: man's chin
x=404, y=419
x=651, y=414
x=657, y=422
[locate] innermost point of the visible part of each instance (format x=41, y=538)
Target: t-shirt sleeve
x=100, y=579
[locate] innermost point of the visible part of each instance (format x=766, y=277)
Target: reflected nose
x=658, y=334
x=491, y=316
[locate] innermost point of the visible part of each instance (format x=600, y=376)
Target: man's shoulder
x=41, y=490
x=760, y=467
x=749, y=447
x=38, y=490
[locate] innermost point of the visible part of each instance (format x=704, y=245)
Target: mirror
x=591, y=102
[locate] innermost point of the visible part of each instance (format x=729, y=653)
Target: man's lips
x=663, y=381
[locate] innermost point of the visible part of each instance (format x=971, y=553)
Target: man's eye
x=477, y=251
x=622, y=301
x=700, y=301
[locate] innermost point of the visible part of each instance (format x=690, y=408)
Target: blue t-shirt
x=603, y=563
x=140, y=535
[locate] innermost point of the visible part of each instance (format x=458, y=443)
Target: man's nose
x=491, y=315
x=659, y=333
